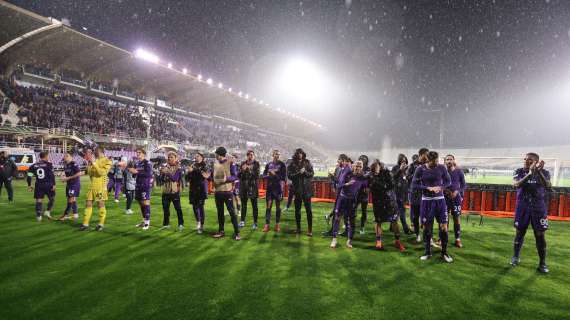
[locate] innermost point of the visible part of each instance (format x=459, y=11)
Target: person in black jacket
x=248, y=176
x=401, y=189
x=8, y=170
x=384, y=203
x=300, y=172
x=197, y=176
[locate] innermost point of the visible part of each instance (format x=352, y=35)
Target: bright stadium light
x=209, y=81
x=240, y=93
x=146, y=55
x=220, y=85
x=230, y=90
x=185, y=71
x=301, y=80
x=170, y=65
x=200, y=77
x=247, y=95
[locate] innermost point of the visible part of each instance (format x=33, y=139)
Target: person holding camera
x=8, y=170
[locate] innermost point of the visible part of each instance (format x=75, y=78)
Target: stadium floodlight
x=170, y=65
x=247, y=95
x=230, y=90
x=220, y=85
x=146, y=55
x=302, y=80
x=200, y=77
x=260, y=101
x=240, y=93
x=185, y=71
x=209, y=81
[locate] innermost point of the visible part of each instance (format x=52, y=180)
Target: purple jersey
x=342, y=174
x=274, y=182
x=425, y=177
x=234, y=168
x=143, y=175
x=43, y=172
x=352, y=191
x=457, y=181
x=70, y=170
x=531, y=192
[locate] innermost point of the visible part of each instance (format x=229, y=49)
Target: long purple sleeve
x=233, y=173
x=417, y=179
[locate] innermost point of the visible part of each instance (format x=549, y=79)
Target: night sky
x=500, y=70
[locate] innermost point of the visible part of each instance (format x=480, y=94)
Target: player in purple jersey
x=197, y=176
x=248, y=176
x=362, y=199
x=454, y=196
x=143, y=174
x=224, y=175
x=401, y=189
x=431, y=179
x=346, y=203
x=415, y=196
x=276, y=173
x=44, y=186
x=531, y=183
x=384, y=206
x=342, y=167
x=73, y=186
x=300, y=172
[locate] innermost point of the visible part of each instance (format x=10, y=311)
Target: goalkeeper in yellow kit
x=97, y=171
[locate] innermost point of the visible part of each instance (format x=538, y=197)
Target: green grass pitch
x=50, y=270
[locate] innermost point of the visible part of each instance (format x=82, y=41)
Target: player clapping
x=531, y=182
x=44, y=186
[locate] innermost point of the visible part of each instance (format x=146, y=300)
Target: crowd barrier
x=486, y=199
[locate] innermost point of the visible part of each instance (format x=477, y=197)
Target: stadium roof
x=27, y=38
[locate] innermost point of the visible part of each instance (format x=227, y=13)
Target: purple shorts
x=454, y=205
x=536, y=216
x=142, y=194
x=41, y=191
x=72, y=190
x=430, y=209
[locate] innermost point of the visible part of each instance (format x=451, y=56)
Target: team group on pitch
x=434, y=191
